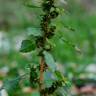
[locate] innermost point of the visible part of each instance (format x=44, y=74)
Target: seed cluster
x=33, y=76
x=50, y=12
x=53, y=88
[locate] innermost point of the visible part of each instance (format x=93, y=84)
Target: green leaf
x=27, y=46
x=48, y=78
x=32, y=6
x=28, y=4
x=49, y=60
x=35, y=93
x=34, y=31
x=59, y=75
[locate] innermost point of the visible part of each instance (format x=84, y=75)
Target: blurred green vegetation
x=75, y=26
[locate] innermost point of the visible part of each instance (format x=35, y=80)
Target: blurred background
x=76, y=52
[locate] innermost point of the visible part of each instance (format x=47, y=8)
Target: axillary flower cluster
x=50, y=12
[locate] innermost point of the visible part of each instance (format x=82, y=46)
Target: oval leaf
x=34, y=31
x=59, y=75
x=27, y=46
x=48, y=78
x=49, y=60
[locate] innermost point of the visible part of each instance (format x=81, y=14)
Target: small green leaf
x=36, y=93
x=28, y=4
x=49, y=60
x=32, y=6
x=27, y=46
x=48, y=79
x=34, y=31
x=58, y=75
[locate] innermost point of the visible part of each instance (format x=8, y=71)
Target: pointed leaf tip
x=27, y=46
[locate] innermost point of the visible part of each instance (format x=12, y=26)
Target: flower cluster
x=53, y=87
x=51, y=12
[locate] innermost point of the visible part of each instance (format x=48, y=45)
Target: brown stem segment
x=42, y=62
x=41, y=69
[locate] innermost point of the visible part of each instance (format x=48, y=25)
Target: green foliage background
x=76, y=25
